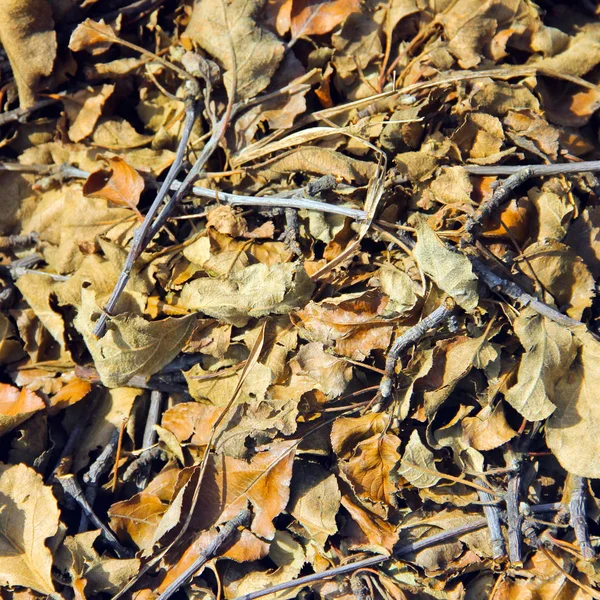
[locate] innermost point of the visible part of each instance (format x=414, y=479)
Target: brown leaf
x=120, y=183
x=450, y=271
x=315, y=501
x=17, y=406
x=348, y=432
x=132, y=345
x=350, y=323
x=84, y=108
x=550, y=349
x=572, y=429
x=28, y=38
x=488, y=429
x=563, y=274
x=137, y=518
x=28, y=518
x=230, y=32
x=369, y=468
x=583, y=237
x=94, y=37
x=316, y=18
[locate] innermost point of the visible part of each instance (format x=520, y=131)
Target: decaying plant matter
x=299, y=299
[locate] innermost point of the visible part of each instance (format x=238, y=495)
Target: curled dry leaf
x=369, y=468
x=316, y=18
x=94, y=37
x=28, y=38
x=120, y=183
x=256, y=291
x=450, y=271
x=29, y=516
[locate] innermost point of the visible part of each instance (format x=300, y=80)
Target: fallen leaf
x=316, y=18
x=550, y=349
x=120, y=183
x=84, y=108
x=29, y=516
x=416, y=455
x=450, y=271
x=348, y=432
x=571, y=429
x=315, y=500
x=94, y=37
x=255, y=291
x=563, y=274
x=369, y=468
x=232, y=34
x=17, y=406
x=584, y=238
x=132, y=345
x=488, y=429
x=28, y=38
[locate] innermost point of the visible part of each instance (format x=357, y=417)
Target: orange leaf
x=73, y=392
x=17, y=406
x=516, y=218
x=311, y=18
x=120, y=184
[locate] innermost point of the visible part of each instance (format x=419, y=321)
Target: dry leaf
x=563, y=274
x=488, y=429
x=29, y=516
x=256, y=291
x=416, y=455
x=94, y=37
x=132, y=345
x=229, y=31
x=28, y=38
x=571, y=431
x=120, y=183
x=369, y=468
x=316, y=18
x=550, y=349
x=84, y=109
x=450, y=271
x=17, y=406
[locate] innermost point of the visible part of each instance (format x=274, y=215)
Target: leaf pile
x=355, y=336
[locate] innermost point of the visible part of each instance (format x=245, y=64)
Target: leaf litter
x=299, y=298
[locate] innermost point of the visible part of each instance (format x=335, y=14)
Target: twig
x=514, y=518
x=18, y=113
x=7, y=242
x=400, y=552
x=579, y=517
x=492, y=515
x=276, y=202
x=413, y=335
x=142, y=236
x=223, y=538
x=536, y=170
x=149, y=437
x=431, y=540
x=100, y=466
x=73, y=490
x=499, y=196
x=143, y=461
x=514, y=292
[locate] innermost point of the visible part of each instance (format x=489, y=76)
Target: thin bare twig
x=514, y=292
x=514, y=518
x=492, y=515
x=142, y=235
x=73, y=490
x=499, y=196
x=579, y=517
x=101, y=465
x=149, y=436
x=413, y=335
x=536, y=170
x=223, y=538
x=19, y=113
